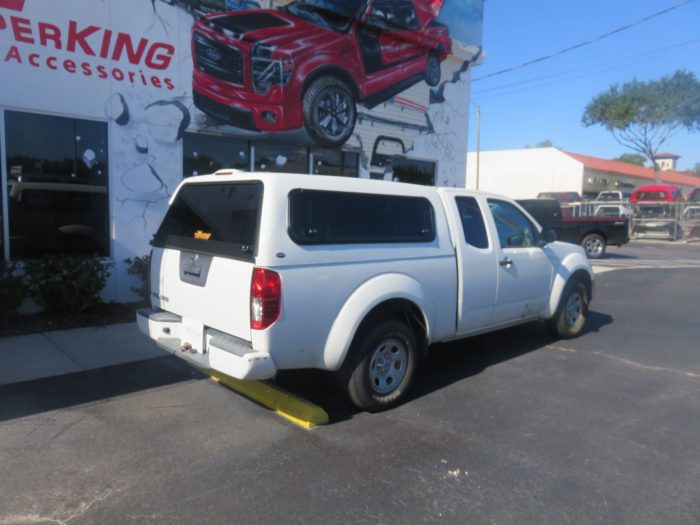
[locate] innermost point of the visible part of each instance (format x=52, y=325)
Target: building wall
x=60, y=58
x=523, y=173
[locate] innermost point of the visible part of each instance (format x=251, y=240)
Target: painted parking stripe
x=292, y=408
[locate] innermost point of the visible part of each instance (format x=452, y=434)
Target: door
x=524, y=271
x=477, y=266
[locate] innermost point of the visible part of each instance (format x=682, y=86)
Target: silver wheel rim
x=387, y=366
x=594, y=246
x=334, y=113
x=574, y=309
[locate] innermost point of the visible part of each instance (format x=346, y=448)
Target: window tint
x=328, y=217
x=514, y=229
x=334, y=162
x=56, y=185
x=214, y=218
x=413, y=171
x=203, y=154
x=652, y=195
x=280, y=157
x=472, y=222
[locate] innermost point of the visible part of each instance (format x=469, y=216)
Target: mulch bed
x=103, y=314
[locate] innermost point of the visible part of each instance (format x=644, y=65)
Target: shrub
x=12, y=291
x=141, y=268
x=66, y=284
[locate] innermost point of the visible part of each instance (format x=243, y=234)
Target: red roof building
x=637, y=173
x=524, y=173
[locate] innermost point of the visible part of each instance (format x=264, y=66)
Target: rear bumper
x=223, y=353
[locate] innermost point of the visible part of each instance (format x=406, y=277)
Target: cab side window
x=472, y=222
x=513, y=227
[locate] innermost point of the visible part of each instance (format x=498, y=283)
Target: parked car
x=614, y=204
x=564, y=197
x=613, y=195
x=349, y=275
x=569, y=200
x=593, y=233
x=657, y=193
x=308, y=64
x=657, y=210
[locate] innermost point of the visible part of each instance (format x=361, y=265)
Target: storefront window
x=334, y=162
x=56, y=185
x=413, y=171
x=280, y=157
x=203, y=154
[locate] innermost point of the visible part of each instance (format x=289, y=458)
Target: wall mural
x=387, y=79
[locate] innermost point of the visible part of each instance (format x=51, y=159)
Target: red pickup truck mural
x=311, y=62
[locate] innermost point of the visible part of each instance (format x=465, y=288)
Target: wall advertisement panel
x=381, y=79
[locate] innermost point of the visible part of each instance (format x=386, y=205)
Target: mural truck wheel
x=432, y=71
x=329, y=111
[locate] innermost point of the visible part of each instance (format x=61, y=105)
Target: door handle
x=506, y=261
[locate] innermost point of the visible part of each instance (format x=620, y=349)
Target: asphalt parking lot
x=512, y=427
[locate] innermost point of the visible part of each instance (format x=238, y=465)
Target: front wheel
x=570, y=317
x=381, y=366
x=329, y=111
x=595, y=245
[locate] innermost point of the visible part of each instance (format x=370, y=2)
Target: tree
x=632, y=158
x=642, y=116
x=695, y=170
x=541, y=144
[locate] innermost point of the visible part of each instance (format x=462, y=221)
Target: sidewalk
x=34, y=356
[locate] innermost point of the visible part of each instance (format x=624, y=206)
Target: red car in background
x=309, y=63
x=657, y=193
x=656, y=210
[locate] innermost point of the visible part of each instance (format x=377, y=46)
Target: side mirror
x=548, y=236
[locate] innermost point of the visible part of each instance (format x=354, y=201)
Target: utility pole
x=478, y=141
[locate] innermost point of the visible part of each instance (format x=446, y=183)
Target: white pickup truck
x=252, y=273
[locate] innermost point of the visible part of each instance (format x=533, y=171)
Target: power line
x=600, y=67
x=585, y=43
x=539, y=83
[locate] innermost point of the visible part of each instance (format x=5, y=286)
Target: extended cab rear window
x=217, y=218
x=330, y=217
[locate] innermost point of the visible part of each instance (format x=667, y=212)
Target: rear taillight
x=265, y=298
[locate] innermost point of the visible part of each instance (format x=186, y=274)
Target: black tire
x=570, y=318
x=380, y=365
x=595, y=245
x=330, y=111
x=432, y=70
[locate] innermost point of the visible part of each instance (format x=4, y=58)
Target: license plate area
x=192, y=336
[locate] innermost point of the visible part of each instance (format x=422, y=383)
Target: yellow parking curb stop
x=292, y=408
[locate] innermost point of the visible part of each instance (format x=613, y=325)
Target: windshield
x=652, y=196
x=332, y=14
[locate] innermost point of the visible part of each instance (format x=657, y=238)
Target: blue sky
x=547, y=100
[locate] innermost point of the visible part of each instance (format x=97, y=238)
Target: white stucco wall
x=60, y=55
x=523, y=173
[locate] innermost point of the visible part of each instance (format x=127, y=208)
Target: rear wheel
x=381, y=365
x=595, y=245
x=570, y=317
x=432, y=71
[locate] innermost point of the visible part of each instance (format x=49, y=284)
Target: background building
x=107, y=104
x=523, y=173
